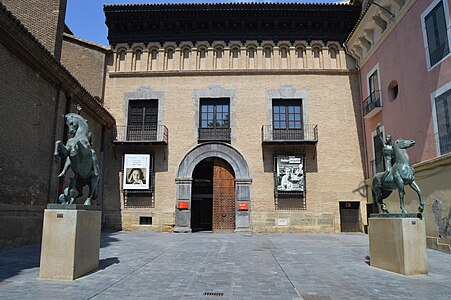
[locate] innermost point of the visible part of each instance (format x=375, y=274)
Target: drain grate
x=213, y=294
x=316, y=297
x=4, y=282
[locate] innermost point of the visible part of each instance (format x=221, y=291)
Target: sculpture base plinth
x=70, y=242
x=398, y=244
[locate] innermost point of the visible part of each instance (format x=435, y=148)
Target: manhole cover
x=213, y=294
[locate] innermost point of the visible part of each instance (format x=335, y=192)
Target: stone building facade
x=36, y=91
x=244, y=116
x=403, y=53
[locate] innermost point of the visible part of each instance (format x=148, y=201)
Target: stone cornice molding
x=374, y=26
x=230, y=72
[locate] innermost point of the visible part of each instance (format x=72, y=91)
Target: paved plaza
x=141, y=265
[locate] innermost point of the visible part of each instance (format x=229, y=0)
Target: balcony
x=372, y=104
x=140, y=134
x=214, y=134
x=306, y=135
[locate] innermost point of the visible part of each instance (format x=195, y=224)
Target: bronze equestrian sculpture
x=398, y=175
x=81, y=158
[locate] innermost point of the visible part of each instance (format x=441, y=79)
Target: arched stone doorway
x=184, y=183
x=213, y=196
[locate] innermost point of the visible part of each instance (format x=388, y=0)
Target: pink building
x=402, y=48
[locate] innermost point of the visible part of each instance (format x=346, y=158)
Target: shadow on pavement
x=19, y=260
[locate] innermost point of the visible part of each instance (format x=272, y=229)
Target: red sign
x=243, y=206
x=183, y=205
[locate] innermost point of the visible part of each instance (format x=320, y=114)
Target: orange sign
x=243, y=206
x=183, y=205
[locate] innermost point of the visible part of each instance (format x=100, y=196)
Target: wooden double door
x=213, y=198
x=223, y=218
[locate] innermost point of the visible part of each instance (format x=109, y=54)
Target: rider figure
x=387, y=150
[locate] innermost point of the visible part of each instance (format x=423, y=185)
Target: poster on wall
x=136, y=171
x=290, y=173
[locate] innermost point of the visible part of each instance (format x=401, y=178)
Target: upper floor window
x=142, y=120
x=214, y=113
x=442, y=119
x=153, y=59
x=137, y=60
x=373, y=82
x=378, y=157
x=214, y=119
x=120, y=64
x=170, y=59
x=202, y=58
x=373, y=102
x=435, y=20
x=235, y=52
x=218, y=58
x=287, y=114
x=251, y=61
x=287, y=119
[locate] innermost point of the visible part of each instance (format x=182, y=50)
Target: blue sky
x=86, y=18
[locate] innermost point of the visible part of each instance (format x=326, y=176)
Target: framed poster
x=290, y=173
x=136, y=171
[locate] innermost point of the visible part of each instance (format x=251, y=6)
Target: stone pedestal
x=398, y=243
x=70, y=241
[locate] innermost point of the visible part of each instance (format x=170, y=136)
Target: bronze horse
x=400, y=174
x=79, y=156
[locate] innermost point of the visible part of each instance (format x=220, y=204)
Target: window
x=153, y=60
x=378, y=161
x=287, y=119
x=373, y=103
x=442, y=120
x=214, y=113
x=284, y=57
x=142, y=120
x=120, y=63
x=214, y=119
x=268, y=57
x=234, y=55
x=185, y=58
x=218, y=58
x=202, y=58
x=137, y=60
x=435, y=22
x=373, y=82
x=169, y=59
x=300, y=54
x=251, y=58
x=317, y=57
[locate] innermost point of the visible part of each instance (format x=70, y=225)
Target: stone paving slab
x=141, y=265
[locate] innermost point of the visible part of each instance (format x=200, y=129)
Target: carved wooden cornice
x=229, y=21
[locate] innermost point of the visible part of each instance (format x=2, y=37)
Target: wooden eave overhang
x=229, y=22
x=15, y=37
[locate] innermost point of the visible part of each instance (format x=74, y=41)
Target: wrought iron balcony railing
x=308, y=133
x=148, y=134
x=372, y=104
x=214, y=134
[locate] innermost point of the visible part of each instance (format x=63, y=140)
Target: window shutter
x=443, y=111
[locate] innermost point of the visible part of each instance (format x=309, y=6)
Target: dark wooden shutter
x=142, y=119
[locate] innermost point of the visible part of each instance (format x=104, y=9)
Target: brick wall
x=86, y=62
x=27, y=125
x=43, y=18
x=334, y=172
